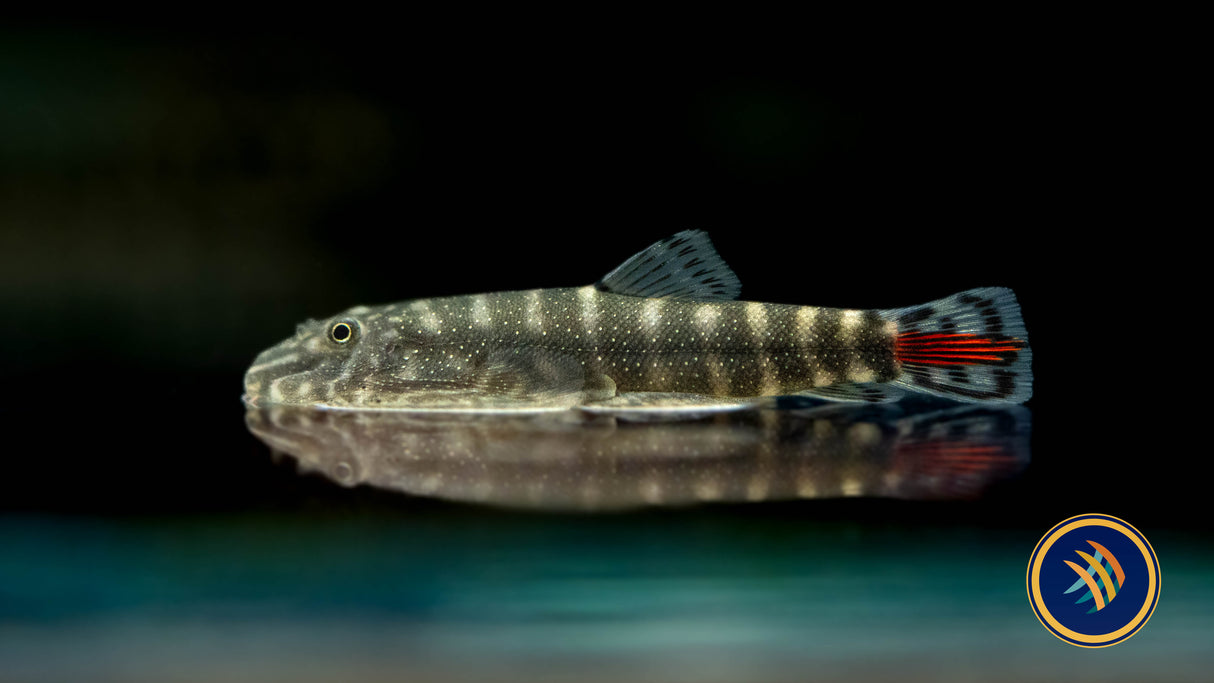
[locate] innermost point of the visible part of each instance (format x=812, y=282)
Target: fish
x=663, y=332
x=910, y=449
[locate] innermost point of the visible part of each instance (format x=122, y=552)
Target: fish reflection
x=575, y=460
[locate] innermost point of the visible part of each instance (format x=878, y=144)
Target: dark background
x=172, y=202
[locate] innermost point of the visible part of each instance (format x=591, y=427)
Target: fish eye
x=342, y=331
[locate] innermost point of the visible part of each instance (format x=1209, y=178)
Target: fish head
x=355, y=359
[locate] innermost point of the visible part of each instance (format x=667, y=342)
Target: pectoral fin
x=506, y=380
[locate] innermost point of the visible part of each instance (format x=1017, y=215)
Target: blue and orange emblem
x=1093, y=580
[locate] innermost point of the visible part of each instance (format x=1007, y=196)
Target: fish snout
x=270, y=366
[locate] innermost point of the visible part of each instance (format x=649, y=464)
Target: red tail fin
x=943, y=348
x=970, y=346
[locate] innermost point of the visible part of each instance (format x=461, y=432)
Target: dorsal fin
x=684, y=266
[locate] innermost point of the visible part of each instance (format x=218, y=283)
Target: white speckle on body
x=858, y=372
x=850, y=322
x=480, y=312
x=652, y=314
x=589, y=298
x=706, y=319
x=756, y=315
x=534, y=310
x=426, y=315
x=805, y=318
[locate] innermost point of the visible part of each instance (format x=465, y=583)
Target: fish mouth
x=269, y=369
x=277, y=389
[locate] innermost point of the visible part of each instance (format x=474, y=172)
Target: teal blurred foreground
x=450, y=593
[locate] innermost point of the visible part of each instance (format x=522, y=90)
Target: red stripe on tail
x=943, y=348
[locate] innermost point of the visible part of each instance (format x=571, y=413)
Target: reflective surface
x=571, y=460
x=447, y=594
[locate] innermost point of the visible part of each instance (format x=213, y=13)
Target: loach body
x=661, y=331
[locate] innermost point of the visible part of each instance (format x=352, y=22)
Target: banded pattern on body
x=724, y=348
x=716, y=348
x=664, y=326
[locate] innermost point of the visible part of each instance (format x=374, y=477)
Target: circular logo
x=1093, y=580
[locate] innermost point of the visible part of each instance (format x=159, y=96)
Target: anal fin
x=855, y=392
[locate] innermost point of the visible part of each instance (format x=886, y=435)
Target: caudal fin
x=970, y=346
